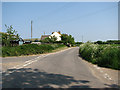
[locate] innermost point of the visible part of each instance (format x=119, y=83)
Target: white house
x=57, y=35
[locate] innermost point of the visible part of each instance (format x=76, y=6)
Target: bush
x=29, y=49
x=103, y=55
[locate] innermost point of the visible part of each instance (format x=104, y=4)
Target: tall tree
x=67, y=39
x=10, y=34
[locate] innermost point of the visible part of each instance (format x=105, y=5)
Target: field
x=29, y=49
x=107, y=55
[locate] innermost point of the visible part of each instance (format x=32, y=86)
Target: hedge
x=29, y=49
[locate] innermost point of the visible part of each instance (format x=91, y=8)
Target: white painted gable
x=57, y=35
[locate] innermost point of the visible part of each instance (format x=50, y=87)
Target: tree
x=49, y=40
x=4, y=39
x=53, y=39
x=99, y=42
x=9, y=36
x=67, y=39
x=36, y=40
x=78, y=43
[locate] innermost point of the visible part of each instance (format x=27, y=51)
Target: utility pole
x=82, y=38
x=31, y=29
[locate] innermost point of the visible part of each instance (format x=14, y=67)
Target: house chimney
x=59, y=32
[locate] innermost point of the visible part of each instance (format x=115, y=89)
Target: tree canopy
x=9, y=35
x=49, y=40
x=67, y=39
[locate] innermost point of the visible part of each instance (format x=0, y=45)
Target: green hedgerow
x=29, y=49
x=103, y=55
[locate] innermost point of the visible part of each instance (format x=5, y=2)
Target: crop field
x=105, y=55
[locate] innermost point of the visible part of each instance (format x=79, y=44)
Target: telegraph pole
x=31, y=29
x=82, y=38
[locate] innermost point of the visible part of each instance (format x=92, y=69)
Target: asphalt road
x=64, y=69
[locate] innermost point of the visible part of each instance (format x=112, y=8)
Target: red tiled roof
x=44, y=36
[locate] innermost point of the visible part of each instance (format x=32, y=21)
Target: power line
x=83, y=16
x=86, y=15
x=53, y=12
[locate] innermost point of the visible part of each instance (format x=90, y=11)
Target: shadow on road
x=29, y=78
x=113, y=86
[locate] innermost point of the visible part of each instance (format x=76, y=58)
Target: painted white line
x=28, y=62
x=98, y=68
x=110, y=78
x=106, y=74
x=95, y=66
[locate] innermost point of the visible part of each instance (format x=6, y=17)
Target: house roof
x=44, y=36
x=56, y=32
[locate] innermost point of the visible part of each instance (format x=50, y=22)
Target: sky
x=91, y=20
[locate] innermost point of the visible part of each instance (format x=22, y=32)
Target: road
x=64, y=69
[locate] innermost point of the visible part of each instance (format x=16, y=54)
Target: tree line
x=108, y=42
x=65, y=39
x=12, y=34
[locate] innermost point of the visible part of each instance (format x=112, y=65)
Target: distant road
x=59, y=70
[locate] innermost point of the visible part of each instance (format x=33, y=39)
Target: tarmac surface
x=62, y=69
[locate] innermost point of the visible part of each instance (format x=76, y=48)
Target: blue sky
x=92, y=20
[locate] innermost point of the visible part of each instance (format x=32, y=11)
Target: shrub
x=103, y=55
x=29, y=49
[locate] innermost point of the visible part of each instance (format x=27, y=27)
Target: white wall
x=57, y=35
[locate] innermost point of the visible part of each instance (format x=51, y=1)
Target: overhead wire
x=86, y=15
x=83, y=16
x=75, y=18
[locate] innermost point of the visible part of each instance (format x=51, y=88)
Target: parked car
x=19, y=41
x=27, y=42
x=36, y=43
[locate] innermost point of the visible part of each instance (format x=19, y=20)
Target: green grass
x=102, y=55
x=29, y=49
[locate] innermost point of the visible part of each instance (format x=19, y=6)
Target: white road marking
x=105, y=75
x=101, y=71
x=28, y=62
x=98, y=68
x=95, y=65
x=110, y=78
